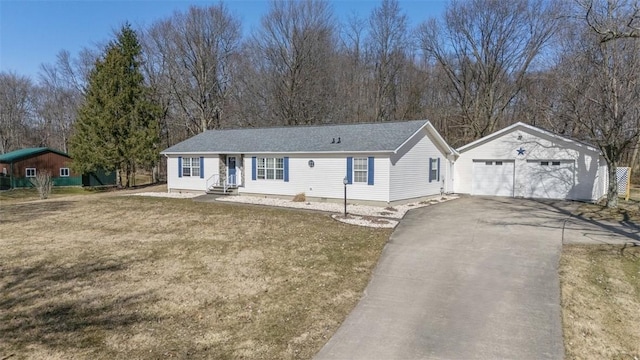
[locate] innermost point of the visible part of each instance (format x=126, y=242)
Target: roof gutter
x=276, y=152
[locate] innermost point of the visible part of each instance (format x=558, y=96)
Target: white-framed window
x=270, y=168
x=4, y=171
x=64, y=172
x=434, y=169
x=191, y=167
x=544, y=163
x=30, y=172
x=555, y=163
x=360, y=170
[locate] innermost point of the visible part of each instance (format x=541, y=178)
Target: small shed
x=19, y=167
x=525, y=161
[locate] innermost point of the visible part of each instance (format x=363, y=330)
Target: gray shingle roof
x=385, y=136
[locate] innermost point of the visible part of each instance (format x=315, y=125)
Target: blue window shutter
x=370, y=171
x=254, y=168
x=179, y=166
x=430, y=170
x=201, y=167
x=286, y=168
x=349, y=170
x=438, y=169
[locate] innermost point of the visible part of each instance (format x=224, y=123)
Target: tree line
x=569, y=67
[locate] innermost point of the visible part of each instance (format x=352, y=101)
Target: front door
x=231, y=170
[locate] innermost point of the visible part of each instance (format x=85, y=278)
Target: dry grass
x=300, y=197
x=106, y=277
x=627, y=211
x=21, y=195
x=601, y=301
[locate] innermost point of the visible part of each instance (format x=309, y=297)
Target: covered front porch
x=229, y=177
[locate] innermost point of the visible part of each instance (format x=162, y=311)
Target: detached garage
x=524, y=161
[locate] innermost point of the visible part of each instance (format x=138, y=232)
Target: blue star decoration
x=520, y=151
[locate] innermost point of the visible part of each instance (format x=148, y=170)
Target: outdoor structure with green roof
x=20, y=167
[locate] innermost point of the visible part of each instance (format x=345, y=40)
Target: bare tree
x=195, y=50
x=602, y=79
x=58, y=98
x=16, y=94
x=294, y=49
x=43, y=182
x=389, y=42
x=155, y=68
x=353, y=75
x=486, y=48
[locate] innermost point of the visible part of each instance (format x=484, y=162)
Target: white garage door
x=548, y=179
x=492, y=177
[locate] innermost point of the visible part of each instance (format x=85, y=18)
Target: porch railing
x=215, y=180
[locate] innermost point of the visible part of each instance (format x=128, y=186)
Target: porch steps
x=219, y=190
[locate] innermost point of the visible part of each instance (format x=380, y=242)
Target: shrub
x=301, y=197
x=43, y=183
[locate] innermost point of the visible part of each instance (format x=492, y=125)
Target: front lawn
x=25, y=194
x=601, y=301
x=108, y=277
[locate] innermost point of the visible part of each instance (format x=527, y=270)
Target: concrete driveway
x=473, y=278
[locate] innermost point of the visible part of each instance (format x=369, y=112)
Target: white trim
x=366, y=170
x=26, y=172
x=68, y=172
x=275, y=169
x=433, y=132
x=526, y=126
x=191, y=167
x=277, y=152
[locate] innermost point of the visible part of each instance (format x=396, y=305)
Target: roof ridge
x=307, y=126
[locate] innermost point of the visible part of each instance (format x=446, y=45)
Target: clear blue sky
x=33, y=32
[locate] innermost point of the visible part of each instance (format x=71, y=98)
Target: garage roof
x=513, y=127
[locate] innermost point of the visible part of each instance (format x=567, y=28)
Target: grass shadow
x=47, y=303
x=11, y=213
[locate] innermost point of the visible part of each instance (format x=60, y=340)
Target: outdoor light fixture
x=345, y=181
x=311, y=163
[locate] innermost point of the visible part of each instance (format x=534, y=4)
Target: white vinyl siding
x=323, y=180
x=410, y=169
x=192, y=183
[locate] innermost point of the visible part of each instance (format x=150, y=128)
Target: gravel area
x=393, y=212
x=368, y=221
x=184, y=195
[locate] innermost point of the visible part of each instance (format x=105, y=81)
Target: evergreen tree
x=117, y=127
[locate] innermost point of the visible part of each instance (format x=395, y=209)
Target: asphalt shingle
x=385, y=136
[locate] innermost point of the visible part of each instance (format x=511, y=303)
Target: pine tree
x=117, y=126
